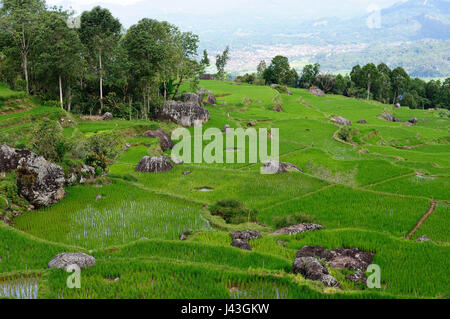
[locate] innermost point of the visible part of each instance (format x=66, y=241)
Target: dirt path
x=423, y=219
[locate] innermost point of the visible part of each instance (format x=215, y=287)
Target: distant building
x=207, y=77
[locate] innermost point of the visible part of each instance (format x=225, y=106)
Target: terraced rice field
x=370, y=196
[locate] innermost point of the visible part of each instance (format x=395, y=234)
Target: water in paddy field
x=19, y=289
x=204, y=189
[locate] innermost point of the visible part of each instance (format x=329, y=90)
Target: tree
x=187, y=67
x=309, y=75
x=279, y=72
x=399, y=81
x=21, y=19
x=99, y=32
x=221, y=62
x=261, y=68
x=370, y=75
x=326, y=82
x=152, y=54
x=205, y=59
x=60, y=51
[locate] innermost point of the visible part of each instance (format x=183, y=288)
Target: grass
x=367, y=196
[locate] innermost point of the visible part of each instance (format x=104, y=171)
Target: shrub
x=233, y=211
x=294, y=219
x=48, y=141
x=349, y=135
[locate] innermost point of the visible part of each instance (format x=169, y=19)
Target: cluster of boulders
x=297, y=229
x=165, y=141
x=310, y=263
x=39, y=181
x=341, y=120
x=242, y=237
x=274, y=167
x=80, y=175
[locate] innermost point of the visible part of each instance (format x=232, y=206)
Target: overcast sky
x=131, y=11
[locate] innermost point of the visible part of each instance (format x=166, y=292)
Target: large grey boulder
x=184, y=113
x=39, y=181
x=274, y=167
x=154, y=165
x=389, y=117
x=316, y=91
x=190, y=97
x=414, y=120
x=241, y=244
x=165, y=141
x=64, y=260
x=341, y=120
x=107, y=116
x=210, y=98
x=278, y=108
x=297, y=229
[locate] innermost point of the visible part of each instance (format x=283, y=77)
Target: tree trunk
x=368, y=91
x=178, y=87
x=61, y=100
x=25, y=70
x=130, y=101
x=69, y=99
x=101, y=80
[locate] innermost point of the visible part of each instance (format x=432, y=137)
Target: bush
x=233, y=211
x=294, y=219
x=49, y=142
x=349, y=135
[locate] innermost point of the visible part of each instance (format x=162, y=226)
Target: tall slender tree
x=100, y=33
x=21, y=19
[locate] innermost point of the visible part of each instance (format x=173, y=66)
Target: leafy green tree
x=370, y=75
x=309, y=75
x=262, y=66
x=99, y=32
x=21, y=19
x=221, y=62
x=399, y=81
x=205, y=59
x=60, y=51
x=152, y=54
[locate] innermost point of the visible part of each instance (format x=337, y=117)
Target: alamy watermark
x=239, y=145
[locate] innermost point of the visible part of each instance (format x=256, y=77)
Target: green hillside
x=368, y=191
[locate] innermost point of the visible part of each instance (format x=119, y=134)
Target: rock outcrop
x=10, y=157
x=242, y=237
x=107, y=116
x=389, y=117
x=245, y=235
x=241, y=244
x=39, y=181
x=310, y=268
x=184, y=113
x=210, y=98
x=341, y=120
x=227, y=129
x=64, y=260
x=414, y=120
x=190, y=97
x=316, y=91
x=362, y=122
x=154, y=165
x=352, y=259
x=274, y=167
x=297, y=229
x=165, y=141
